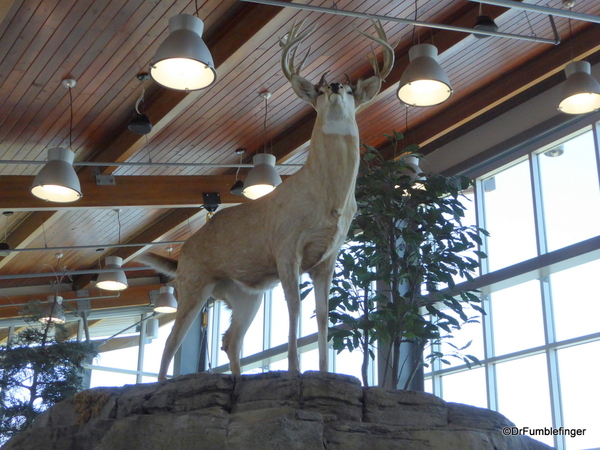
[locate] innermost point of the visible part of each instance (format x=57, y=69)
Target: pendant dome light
x=424, y=82
x=57, y=181
x=183, y=61
x=115, y=280
x=581, y=92
x=263, y=177
x=54, y=312
x=166, y=302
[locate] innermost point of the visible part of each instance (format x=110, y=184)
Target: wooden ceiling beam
x=240, y=35
x=128, y=191
x=525, y=82
x=171, y=221
x=132, y=296
x=251, y=25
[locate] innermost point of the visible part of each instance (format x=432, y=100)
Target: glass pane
x=472, y=332
x=517, y=318
x=120, y=353
x=279, y=317
x=509, y=217
x=154, y=348
x=104, y=378
x=224, y=321
x=429, y=385
x=253, y=341
x=523, y=394
x=309, y=360
x=350, y=363
x=570, y=216
x=576, y=306
x=467, y=387
x=578, y=369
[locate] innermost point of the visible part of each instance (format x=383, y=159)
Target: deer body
x=298, y=228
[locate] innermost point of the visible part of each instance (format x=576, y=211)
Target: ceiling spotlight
x=4, y=247
x=140, y=124
x=54, y=312
x=237, y=188
x=484, y=23
x=554, y=152
x=263, y=178
x=424, y=82
x=581, y=92
x=115, y=280
x=183, y=61
x=166, y=302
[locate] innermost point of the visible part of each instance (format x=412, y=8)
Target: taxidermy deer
x=298, y=228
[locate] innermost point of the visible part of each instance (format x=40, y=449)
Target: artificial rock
x=271, y=411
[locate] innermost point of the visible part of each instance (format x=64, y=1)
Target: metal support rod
x=542, y=9
x=66, y=300
x=417, y=23
x=71, y=272
x=82, y=247
x=143, y=164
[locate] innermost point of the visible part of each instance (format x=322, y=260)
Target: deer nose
x=335, y=87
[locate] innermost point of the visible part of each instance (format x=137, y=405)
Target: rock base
x=268, y=411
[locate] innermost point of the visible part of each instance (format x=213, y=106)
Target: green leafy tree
x=395, y=279
x=38, y=368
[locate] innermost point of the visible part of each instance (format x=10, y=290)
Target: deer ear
x=304, y=89
x=366, y=90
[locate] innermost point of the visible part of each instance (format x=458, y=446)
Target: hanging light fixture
x=166, y=302
x=580, y=92
x=115, y=280
x=183, y=61
x=484, y=23
x=57, y=181
x=4, y=247
x=263, y=177
x=424, y=82
x=238, y=186
x=54, y=312
x=140, y=123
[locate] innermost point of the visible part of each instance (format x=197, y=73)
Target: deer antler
x=289, y=43
x=388, y=51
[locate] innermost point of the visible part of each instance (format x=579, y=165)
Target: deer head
x=349, y=95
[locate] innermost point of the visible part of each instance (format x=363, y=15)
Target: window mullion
x=538, y=210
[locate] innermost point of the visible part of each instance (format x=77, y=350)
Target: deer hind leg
x=189, y=304
x=244, y=306
x=289, y=275
x=321, y=276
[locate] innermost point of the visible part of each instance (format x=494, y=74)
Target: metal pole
x=341, y=12
x=81, y=247
x=541, y=9
x=71, y=272
x=143, y=164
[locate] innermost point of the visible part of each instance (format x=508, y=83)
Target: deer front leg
x=321, y=276
x=289, y=275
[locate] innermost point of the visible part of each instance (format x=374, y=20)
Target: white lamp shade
x=115, y=280
x=424, y=82
x=57, y=181
x=166, y=302
x=54, y=311
x=581, y=92
x=183, y=61
x=263, y=177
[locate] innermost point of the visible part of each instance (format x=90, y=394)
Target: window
x=541, y=336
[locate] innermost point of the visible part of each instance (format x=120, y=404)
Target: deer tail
x=162, y=264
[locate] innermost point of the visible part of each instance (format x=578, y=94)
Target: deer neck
x=333, y=157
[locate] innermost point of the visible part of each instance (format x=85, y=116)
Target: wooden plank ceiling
x=105, y=44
